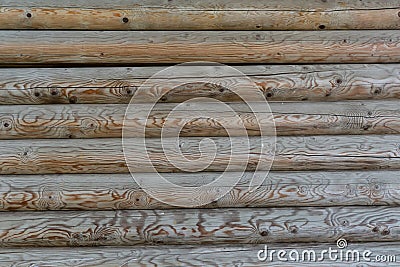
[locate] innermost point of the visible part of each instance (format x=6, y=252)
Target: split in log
x=136, y=47
x=204, y=15
x=105, y=155
x=200, y=226
x=277, y=82
x=120, y=191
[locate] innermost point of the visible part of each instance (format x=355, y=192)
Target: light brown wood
x=277, y=83
x=292, y=153
x=200, y=226
x=135, y=47
x=208, y=15
x=307, y=5
x=200, y=255
x=94, y=121
x=120, y=191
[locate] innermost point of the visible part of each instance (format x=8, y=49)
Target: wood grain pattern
x=189, y=15
x=188, y=255
x=95, y=121
x=292, y=153
x=120, y=191
x=277, y=83
x=135, y=47
x=199, y=226
x=306, y=5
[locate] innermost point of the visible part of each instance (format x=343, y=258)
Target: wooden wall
x=329, y=69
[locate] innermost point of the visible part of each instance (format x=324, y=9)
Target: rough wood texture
x=119, y=191
x=200, y=226
x=277, y=82
x=134, y=47
x=187, y=255
x=207, y=15
x=94, y=121
x=306, y=5
x=292, y=153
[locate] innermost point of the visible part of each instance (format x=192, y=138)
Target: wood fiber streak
x=137, y=47
x=187, y=255
x=106, y=155
x=95, y=121
x=200, y=226
x=120, y=191
x=276, y=82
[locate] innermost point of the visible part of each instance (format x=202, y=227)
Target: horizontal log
x=200, y=226
x=204, y=255
x=136, y=47
x=210, y=119
x=276, y=82
x=105, y=155
x=305, y=5
x=120, y=191
x=189, y=15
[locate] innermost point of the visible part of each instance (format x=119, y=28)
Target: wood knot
x=293, y=229
x=321, y=27
x=140, y=199
x=125, y=20
x=26, y=154
x=54, y=91
x=50, y=199
x=89, y=124
x=6, y=124
x=130, y=90
x=264, y=233
x=303, y=190
x=385, y=232
x=269, y=94
x=29, y=15
x=377, y=91
x=73, y=100
x=344, y=222
x=366, y=127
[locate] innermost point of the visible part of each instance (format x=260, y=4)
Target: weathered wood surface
x=200, y=226
x=305, y=5
x=120, y=191
x=204, y=255
x=208, y=15
x=94, y=121
x=277, y=82
x=106, y=155
x=135, y=47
